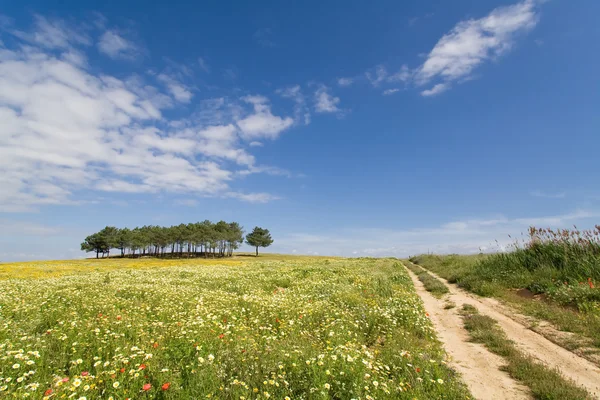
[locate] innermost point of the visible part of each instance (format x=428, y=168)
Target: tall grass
x=549, y=262
x=561, y=267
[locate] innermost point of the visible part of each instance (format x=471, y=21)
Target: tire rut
x=480, y=369
x=572, y=366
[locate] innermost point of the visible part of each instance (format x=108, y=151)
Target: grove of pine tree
x=200, y=239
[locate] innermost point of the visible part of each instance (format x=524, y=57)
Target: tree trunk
x=97, y=253
x=256, y=251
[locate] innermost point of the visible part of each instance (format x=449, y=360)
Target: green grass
x=272, y=326
x=431, y=283
x=564, y=297
x=544, y=383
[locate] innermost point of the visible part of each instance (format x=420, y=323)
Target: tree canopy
x=259, y=237
x=191, y=240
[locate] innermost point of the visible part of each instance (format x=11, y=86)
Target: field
x=245, y=328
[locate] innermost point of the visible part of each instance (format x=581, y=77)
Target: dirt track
x=480, y=368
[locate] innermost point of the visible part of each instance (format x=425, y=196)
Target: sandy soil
x=479, y=368
x=580, y=370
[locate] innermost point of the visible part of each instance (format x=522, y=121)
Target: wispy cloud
x=203, y=65
x=253, y=197
x=325, y=102
x=179, y=91
x=68, y=128
x=459, y=52
x=474, y=41
x=547, y=195
x=186, y=202
x=262, y=123
x=378, y=75
x=390, y=91
x=345, y=81
x=264, y=37
x=49, y=33
x=13, y=228
x=460, y=236
x=301, y=111
x=437, y=89
x=116, y=46
x=230, y=74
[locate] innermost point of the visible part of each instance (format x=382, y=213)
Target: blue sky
x=346, y=128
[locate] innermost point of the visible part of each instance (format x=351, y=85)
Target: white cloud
x=253, y=197
x=558, y=195
x=301, y=111
x=472, y=42
x=437, y=89
x=75, y=57
x=66, y=130
x=179, y=91
x=380, y=75
x=461, y=236
x=186, y=202
x=11, y=228
x=262, y=123
x=50, y=34
x=256, y=144
x=115, y=46
x=404, y=75
x=265, y=169
x=203, y=65
x=377, y=76
x=390, y=91
x=325, y=102
x=345, y=81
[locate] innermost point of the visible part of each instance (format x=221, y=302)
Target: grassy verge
x=431, y=283
x=544, y=383
x=538, y=292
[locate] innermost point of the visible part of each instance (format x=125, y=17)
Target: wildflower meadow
x=293, y=328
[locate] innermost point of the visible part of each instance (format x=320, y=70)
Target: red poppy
x=65, y=379
x=122, y=370
x=48, y=392
x=221, y=336
x=155, y=345
x=165, y=386
x=142, y=366
x=85, y=373
x=277, y=320
x=418, y=369
x=118, y=318
x=146, y=387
